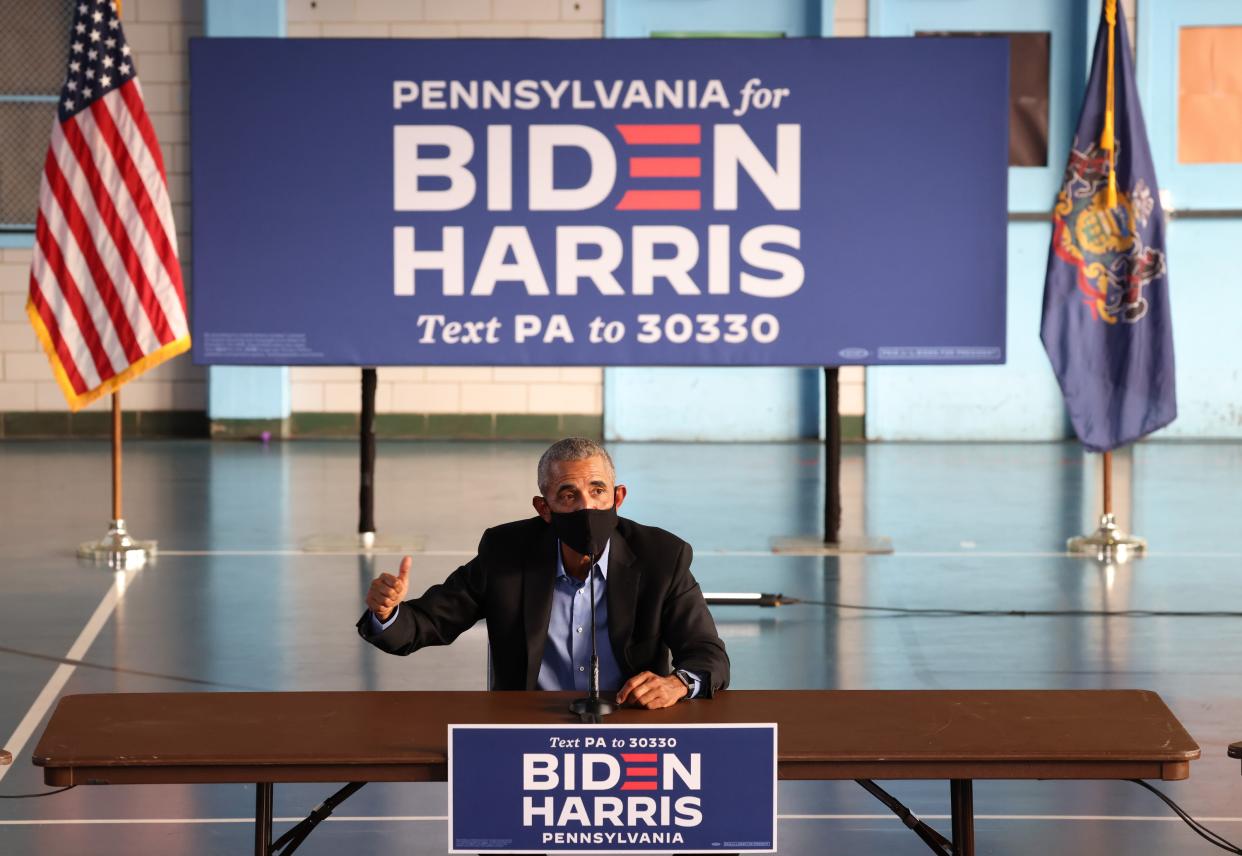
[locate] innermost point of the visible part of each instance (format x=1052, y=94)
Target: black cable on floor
x=69, y=661
x=32, y=796
x=773, y=600
x=1199, y=829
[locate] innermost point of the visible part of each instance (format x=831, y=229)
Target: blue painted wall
x=713, y=403
x=1204, y=280
x=1016, y=401
x=242, y=392
x=1019, y=400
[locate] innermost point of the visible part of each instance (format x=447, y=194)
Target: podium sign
x=612, y=788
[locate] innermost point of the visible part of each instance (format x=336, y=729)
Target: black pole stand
x=832, y=455
x=364, y=540
x=592, y=709
x=366, y=442
x=832, y=542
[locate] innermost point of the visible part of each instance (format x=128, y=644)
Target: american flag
x=106, y=298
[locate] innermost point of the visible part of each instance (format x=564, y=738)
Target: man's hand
x=649, y=690
x=387, y=591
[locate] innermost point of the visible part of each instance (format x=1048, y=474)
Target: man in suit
x=531, y=582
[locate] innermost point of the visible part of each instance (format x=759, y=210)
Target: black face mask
x=586, y=530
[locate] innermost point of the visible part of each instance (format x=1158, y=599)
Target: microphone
x=592, y=709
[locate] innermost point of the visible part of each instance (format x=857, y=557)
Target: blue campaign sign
x=612, y=788
x=599, y=202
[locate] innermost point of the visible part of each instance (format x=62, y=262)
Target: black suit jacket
x=654, y=606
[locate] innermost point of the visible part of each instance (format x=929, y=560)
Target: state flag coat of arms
x=1106, y=323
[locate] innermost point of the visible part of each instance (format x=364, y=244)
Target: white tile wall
x=389, y=11
x=430, y=397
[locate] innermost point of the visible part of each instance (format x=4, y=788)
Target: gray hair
x=571, y=449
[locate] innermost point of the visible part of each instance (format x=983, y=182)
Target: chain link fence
x=34, y=44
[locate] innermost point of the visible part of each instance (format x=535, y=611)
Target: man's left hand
x=649, y=690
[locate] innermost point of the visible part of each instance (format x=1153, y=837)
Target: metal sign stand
x=833, y=543
x=365, y=541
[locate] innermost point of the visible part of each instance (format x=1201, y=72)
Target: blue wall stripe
x=245, y=392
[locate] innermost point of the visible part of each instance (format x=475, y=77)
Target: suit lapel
x=538, y=577
x=624, y=572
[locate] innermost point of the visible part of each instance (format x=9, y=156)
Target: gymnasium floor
x=234, y=602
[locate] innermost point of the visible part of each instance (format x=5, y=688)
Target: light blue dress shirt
x=566, y=660
x=567, y=655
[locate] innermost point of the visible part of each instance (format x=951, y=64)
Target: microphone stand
x=592, y=709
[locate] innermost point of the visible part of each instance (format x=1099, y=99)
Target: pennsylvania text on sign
x=583, y=788
x=791, y=202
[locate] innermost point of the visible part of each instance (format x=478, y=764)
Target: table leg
x=263, y=818
x=961, y=795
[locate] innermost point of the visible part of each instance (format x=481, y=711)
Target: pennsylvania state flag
x=1106, y=323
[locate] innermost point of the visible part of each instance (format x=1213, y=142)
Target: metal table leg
x=961, y=795
x=263, y=818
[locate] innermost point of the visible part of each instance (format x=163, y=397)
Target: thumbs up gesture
x=387, y=591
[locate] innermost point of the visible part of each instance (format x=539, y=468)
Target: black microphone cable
x=32, y=796
x=1199, y=829
x=769, y=600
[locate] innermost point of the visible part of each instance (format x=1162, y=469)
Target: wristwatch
x=684, y=676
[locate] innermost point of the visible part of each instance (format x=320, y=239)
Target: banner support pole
x=117, y=549
x=832, y=455
x=830, y=542
x=366, y=461
x=1108, y=543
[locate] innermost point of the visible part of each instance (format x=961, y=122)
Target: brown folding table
x=960, y=736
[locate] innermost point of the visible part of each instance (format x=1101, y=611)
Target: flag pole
x=116, y=456
x=1108, y=482
x=1109, y=542
x=117, y=549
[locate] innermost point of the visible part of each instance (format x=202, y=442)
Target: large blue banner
x=602, y=202
x=612, y=788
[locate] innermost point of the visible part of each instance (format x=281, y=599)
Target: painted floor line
x=745, y=554
x=412, y=818
x=51, y=690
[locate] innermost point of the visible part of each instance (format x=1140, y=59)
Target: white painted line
x=742, y=554
x=1058, y=817
x=51, y=690
x=316, y=553
x=410, y=818
x=424, y=818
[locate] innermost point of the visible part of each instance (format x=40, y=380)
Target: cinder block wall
x=173, y=396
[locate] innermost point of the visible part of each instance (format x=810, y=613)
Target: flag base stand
x=118, y=549
x=1108, y=543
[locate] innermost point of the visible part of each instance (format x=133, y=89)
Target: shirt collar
x=601, y=562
